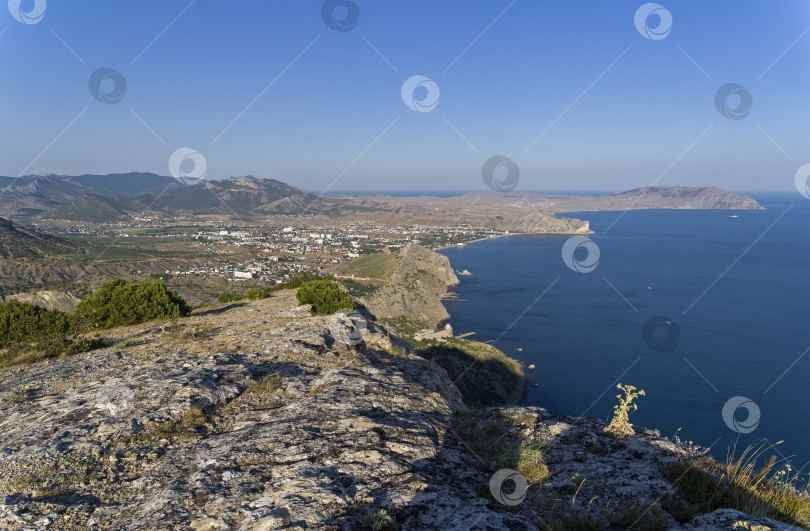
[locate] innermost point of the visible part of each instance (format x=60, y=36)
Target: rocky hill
x=257, y=416
x=35, y=194
x=538, y=223
x=242, y=195
x=19, y=242
x=414, y=280
x=693, y=197
x=92, y=208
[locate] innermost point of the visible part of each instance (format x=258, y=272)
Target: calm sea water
x=745, y=337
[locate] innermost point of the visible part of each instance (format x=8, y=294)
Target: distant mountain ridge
x=242, y=195
x=119, y=197
x=36, y=194
x=695, y=197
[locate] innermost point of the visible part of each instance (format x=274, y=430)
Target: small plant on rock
x=380, y=521
x=620, y=424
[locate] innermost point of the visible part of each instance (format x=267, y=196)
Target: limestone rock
x=266, y=422
x=723, y=519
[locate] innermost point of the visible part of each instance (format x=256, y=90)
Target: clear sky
x=572, y=92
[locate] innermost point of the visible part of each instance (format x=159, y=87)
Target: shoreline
x=506, y=235
x=518, y=397
x=494, y=236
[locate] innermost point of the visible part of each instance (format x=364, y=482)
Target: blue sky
x=570, y=91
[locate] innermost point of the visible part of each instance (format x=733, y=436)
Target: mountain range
x=120, y=197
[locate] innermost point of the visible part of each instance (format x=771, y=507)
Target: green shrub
x=24, y=323
x=300, y=279
x=380, y=521
x=229, y=296
x=325, y=296
x=121, y=303
x=772, y=489
x=78, y=346
x=29, y=333
x=257, y=293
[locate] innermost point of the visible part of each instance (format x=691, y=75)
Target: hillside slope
x=262, y=421
x=414, y=278
x=35, y=194
x=49, y=299
x=684, y=197
x=257, y=416
x=241, y=195
x=90, y=207
x=19, y=242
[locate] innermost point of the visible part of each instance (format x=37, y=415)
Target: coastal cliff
x=410, y=296
x=258, y=416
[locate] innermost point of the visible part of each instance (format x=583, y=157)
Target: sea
x=707, y=311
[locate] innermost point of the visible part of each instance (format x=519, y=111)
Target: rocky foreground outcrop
x=248, y=417
x=259, y=416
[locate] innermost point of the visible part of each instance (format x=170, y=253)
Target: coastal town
x=271, y=254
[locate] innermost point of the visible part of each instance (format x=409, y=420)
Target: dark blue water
x=748, y=329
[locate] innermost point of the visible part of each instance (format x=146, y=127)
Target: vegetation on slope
x=375, y=266
x=773, y=490
x=91, y=207
x=121, y=303
x=485, y=376
x=29, y=333
x=325, y=296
